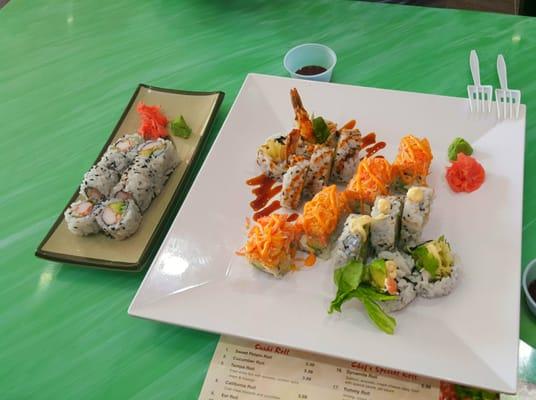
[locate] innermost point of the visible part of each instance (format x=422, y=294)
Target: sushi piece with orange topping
x=372, y=179
x=272, y=243
x=320, y=218
x=412, y=163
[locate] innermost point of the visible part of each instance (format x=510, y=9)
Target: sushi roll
x=272, y=157
x=437, y=275
x=119, y=155
x=320, y=219
x=98, y=183
x=162, y=157
x=415, y=215
x=405, y=287
x=80, y=218
x=385, y=224
x=412, y=163
x=383, y=275
x=293, y=182
x=137, y=183
x=272, y=243
x=352, y=243
x=346, y=155
x=119, y=218
x=319, y=170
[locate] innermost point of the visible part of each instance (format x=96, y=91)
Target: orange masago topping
x=412, y=163
x=272, y=242
x=372, y=178
x=322, y=213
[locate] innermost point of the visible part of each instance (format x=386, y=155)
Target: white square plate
x=470, y=337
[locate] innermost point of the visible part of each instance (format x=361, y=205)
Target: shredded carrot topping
x=322, y=213
x=372, y=178
x=310, y=260
x=413, y=160
x=272, y=240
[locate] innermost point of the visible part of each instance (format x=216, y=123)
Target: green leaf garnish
x=320, y=130
x=382, y=320
x=349, y=281
x=459, y=145
x=180, y=128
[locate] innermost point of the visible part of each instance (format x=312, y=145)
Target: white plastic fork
x=480, y=96
x=505, y=95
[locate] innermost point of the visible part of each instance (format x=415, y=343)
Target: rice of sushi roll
x=346, y=155
x=137, y=183
x=120, y=154
x=319, y=170
x=162, y=158
x=293, y=182
x=119, y=218
x=320, y=219
x=272, y=243
x=272, y=157
x=385, y=224
x=80, y=218
x=437, y=275
x=415, y=215
x=405, y=286
x=98, y=183
x=352, y=243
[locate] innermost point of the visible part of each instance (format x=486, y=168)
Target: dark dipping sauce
x=532, y=290
x=311, y=70
x=264, y=191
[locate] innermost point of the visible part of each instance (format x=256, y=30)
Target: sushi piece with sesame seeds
x=293, y=182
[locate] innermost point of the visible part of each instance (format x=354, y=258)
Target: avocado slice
x=378, y=273
x=435, y=257
x=118, y=207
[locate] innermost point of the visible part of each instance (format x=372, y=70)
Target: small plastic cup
x=310, y=54
x=528, y=276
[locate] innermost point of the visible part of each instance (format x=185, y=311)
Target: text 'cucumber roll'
x=80, y=218
x=119, y=218
x=437, y=273
x=385, y=224
x=415, y=215
x=352, y=243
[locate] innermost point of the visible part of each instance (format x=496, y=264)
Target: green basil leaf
x=347, y=279
x=375, y=295
x=380, y=318
x=320, y=130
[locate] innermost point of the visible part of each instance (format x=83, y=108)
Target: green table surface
x=68, y=68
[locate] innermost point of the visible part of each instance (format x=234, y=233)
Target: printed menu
x=246, y=370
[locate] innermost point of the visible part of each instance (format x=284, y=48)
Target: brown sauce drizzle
x=274, y=205
x=370, y=146
x=264, y=191
x=293, y=217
